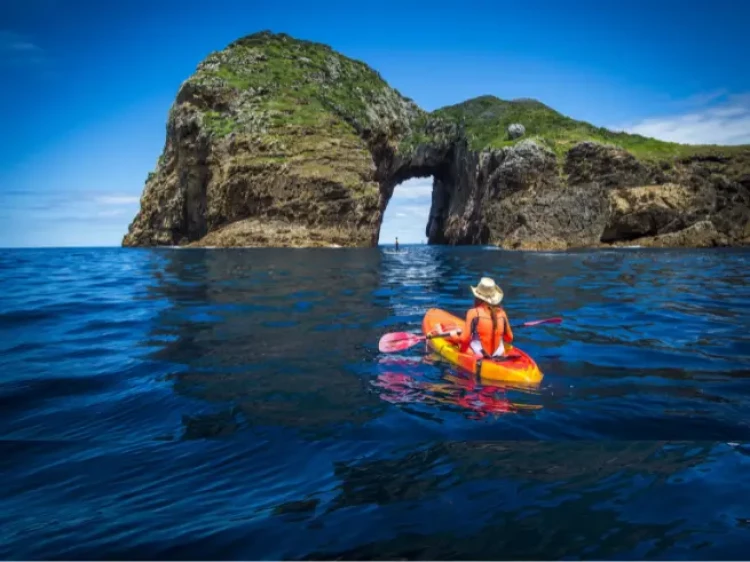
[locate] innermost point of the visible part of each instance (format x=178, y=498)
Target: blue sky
x=87, y=85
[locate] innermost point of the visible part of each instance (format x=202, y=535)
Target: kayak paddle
x=398, y=341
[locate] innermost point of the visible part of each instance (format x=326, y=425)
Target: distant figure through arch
x=406, y=215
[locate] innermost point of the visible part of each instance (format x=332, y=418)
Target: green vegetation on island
x=291, y=87
x=280, y=141
x=486, y=120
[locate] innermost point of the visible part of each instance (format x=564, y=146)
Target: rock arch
x=455, y=209
x=275, y=141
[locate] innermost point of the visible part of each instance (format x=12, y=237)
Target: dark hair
x=493, y=314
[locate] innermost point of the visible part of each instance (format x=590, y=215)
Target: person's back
x=481, y=328
x=487, y=325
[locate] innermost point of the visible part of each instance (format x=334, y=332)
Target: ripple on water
x=233, y=404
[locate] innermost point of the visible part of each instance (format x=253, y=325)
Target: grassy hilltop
x=487, y=118
x=292, y=87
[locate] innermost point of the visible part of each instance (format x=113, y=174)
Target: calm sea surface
x=232, y=404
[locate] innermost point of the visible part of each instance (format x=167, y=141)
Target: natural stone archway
x=280, y=142
x=426, y=162
x=251, y=161
x=455, y=211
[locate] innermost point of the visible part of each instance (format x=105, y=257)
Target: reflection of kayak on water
x=481, y=395
x=517, y=367
x=461, y=391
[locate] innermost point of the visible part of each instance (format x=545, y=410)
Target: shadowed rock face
x=280, y=142
x=604, y=196
x=293, y=136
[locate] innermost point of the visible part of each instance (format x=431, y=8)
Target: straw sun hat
x=488, y=291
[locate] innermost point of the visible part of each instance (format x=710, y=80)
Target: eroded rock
x=702, y=234
x=607, y=165
x=280, y=142
x=651, y=210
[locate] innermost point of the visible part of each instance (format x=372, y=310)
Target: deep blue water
x=232, y=404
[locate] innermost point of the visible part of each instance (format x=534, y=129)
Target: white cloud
x=110, y=213
x=83, y=208
x=118, y=199
x=414, y=188
x=722, y=119
x=414, y=211
x=16, y=49
x=702, y=99
x=24, y=46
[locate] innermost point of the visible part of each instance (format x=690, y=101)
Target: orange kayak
x=518, y=368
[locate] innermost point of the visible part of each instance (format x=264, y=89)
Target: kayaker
x=487, y=325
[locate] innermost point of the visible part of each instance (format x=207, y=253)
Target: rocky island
x=276, y=141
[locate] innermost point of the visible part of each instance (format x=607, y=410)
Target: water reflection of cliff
x=267, y=337
x=535, y=500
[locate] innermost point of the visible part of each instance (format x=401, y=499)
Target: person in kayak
x=487, y=325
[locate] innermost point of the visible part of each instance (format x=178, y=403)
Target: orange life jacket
x=479, y=324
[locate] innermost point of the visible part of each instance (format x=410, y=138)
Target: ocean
x=232, y=404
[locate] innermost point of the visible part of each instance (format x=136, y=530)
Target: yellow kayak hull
x=518, y=369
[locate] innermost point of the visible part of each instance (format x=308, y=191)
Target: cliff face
x=273, y=132
x=280, y=142
x=602, y=195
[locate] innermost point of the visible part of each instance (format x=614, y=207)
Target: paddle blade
x=398, y=341
x=556, y=320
